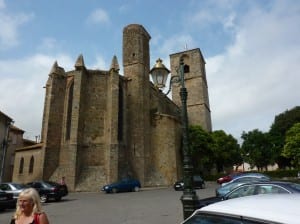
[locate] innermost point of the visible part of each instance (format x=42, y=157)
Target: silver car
x=14, y=188
x=247, y=178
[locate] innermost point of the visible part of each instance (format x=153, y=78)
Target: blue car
x=124, y=185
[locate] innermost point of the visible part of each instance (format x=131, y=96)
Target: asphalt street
x=157, y=206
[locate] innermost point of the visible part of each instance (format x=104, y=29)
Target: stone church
x=100, y=126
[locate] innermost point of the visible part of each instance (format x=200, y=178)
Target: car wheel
x=44, y=198
x=114, y=190
x=136, y=189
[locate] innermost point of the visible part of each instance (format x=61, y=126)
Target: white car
x=257, y=209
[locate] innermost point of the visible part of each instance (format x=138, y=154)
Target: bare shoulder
x=43, y=218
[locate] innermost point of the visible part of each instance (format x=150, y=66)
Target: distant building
x=246, y=167
x=100, y=126
x=15, y=141
x=5, y=122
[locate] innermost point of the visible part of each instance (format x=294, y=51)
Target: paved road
x=157, y=206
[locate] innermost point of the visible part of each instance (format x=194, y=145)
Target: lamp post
x=159, y=72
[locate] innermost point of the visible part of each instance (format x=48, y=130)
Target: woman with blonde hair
x=29, y=209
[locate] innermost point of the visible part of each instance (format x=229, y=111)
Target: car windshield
x=197, y=178
x=50, y=184
x=19, y=186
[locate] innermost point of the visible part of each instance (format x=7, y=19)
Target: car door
x=126, y=185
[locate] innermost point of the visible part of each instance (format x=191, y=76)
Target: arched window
x=21, y=166
x=31, y=164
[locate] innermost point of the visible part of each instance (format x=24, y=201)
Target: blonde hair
x=34, y=197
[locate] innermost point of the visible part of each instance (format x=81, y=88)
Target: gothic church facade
x=100, y=126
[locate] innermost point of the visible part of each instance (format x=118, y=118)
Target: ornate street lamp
x=159, y=72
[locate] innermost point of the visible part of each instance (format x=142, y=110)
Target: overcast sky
x=251, y=48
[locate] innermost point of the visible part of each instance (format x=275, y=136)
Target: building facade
x=100, y=126
x=5, y=122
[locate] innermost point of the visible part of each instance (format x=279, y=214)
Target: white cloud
x=98, y=16
x=48, y=43
x=2, y=4
x=22, y=92
x=257, y=77
x=9, y=36
x=177, y=43
x=208, y=14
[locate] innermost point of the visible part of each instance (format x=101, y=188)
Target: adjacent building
x=5, y=122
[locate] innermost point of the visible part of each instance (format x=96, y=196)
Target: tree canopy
x=282, y=123
x=218, y=150
x=213, y=150
x=199, y=141
x=292, y=145
x=256, y=148
x=225, y=149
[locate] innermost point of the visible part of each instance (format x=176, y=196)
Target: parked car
x=198, y=182
x=49, y=190
x=227, y=178
x=14, y=188
x=270, y=187
x=248, y=189
x=6, y=200
x=124, y=185
x=226, y=187
x=242, y=177
x=257, y=209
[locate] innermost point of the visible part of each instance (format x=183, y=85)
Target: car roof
x=271, y=207
x=271, y=182
x=254, y=178
x=290, y=185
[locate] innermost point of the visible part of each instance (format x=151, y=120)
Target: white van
x=256, y=209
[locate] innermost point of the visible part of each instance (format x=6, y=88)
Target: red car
x=227, y=178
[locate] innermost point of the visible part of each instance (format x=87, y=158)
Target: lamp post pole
x=189, y=198
x=159, y=75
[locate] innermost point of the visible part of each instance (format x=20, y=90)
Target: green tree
x=292, y=145
x=281, y=124
x=257, y=149
x=226, y=150
x=202, y=156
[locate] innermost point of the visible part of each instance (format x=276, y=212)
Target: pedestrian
x=63, y=181
x=29, y=209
